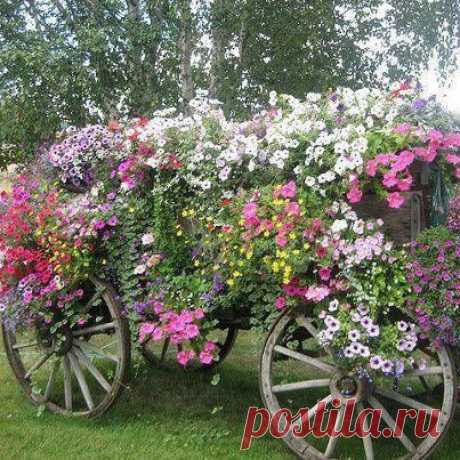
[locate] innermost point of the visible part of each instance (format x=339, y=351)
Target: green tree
x=83, y=61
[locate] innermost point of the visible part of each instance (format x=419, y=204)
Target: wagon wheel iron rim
x=163, y=353
x=281, y=387
x=84, y=372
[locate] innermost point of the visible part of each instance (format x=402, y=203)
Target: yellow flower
x=296, y=252
x=184, y=213
x=131, y=210
x=278, y=202
x=215, y=267
x=236, y=274
x=249, y=255
x=266, y=233
x=196, y=263
x=278, y=225
x=230, y=282
x=276, y=267
x=292, y=236
x=306, y=246
x=179, y=233
x=241, y=222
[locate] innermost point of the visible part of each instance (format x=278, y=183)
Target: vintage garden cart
x=82, y=372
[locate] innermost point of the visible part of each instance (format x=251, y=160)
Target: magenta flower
x=192, y=331
x=183, y=357
x=317, y=293
x=395, y=200
x=145, y=331
x=280, y=303
x=199, y=313
x=99, y=224
x=293, y=209
x=112, y=221
x=325, y=273
x=355, y=194
x=281, y=240
x=289, y=190
x=206, y=358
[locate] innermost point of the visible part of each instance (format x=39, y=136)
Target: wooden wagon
x=82, y=372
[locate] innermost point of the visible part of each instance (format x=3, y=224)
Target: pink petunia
x=405, y=183
x=325, y=273
x=210, y=346
x=355, y=194
x=112, y=221
x=426, y=154
x=289, y=190
x=157, y=334
x=280, y=303
x=186, y=316
x=403, y=128
x=145, y=331
x=390, y=180
x=293, y=209
x=317, y=293
x=198, y=313
x=403, y=161
x=192, y=331
x=371, y=168
x=281, y=240
x=206, y=358
x=183, y=357
x=453, y=159
x=395, y=200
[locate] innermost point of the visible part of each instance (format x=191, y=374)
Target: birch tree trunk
x=185, y=46
x=218, y=48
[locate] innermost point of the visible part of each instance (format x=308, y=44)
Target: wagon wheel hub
x=346, y=386
x=59, y=342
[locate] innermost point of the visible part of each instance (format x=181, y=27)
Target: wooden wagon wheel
x=163, y=353
x=79, y=371
x=303, y=380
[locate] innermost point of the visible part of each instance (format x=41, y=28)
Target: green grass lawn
x=165, y=414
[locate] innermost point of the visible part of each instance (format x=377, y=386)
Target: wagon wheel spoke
x=405, y=400
x=307, y=324
x=81, y=380
x=332, y=443
x=305, y=384
x=20, y=346
x=92, y=368
x=93, y=299
x=317, y=363
x=67, y=384
x=434, y=370
x=95, y=329
x=390, y=421
x=52, y=377
x=367, y=440
x=89, y=347
x=37, y=365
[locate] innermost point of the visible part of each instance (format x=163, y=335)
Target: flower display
x=79, y=151
x=197, y=217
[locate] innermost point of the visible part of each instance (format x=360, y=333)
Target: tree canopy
x=82, y=61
